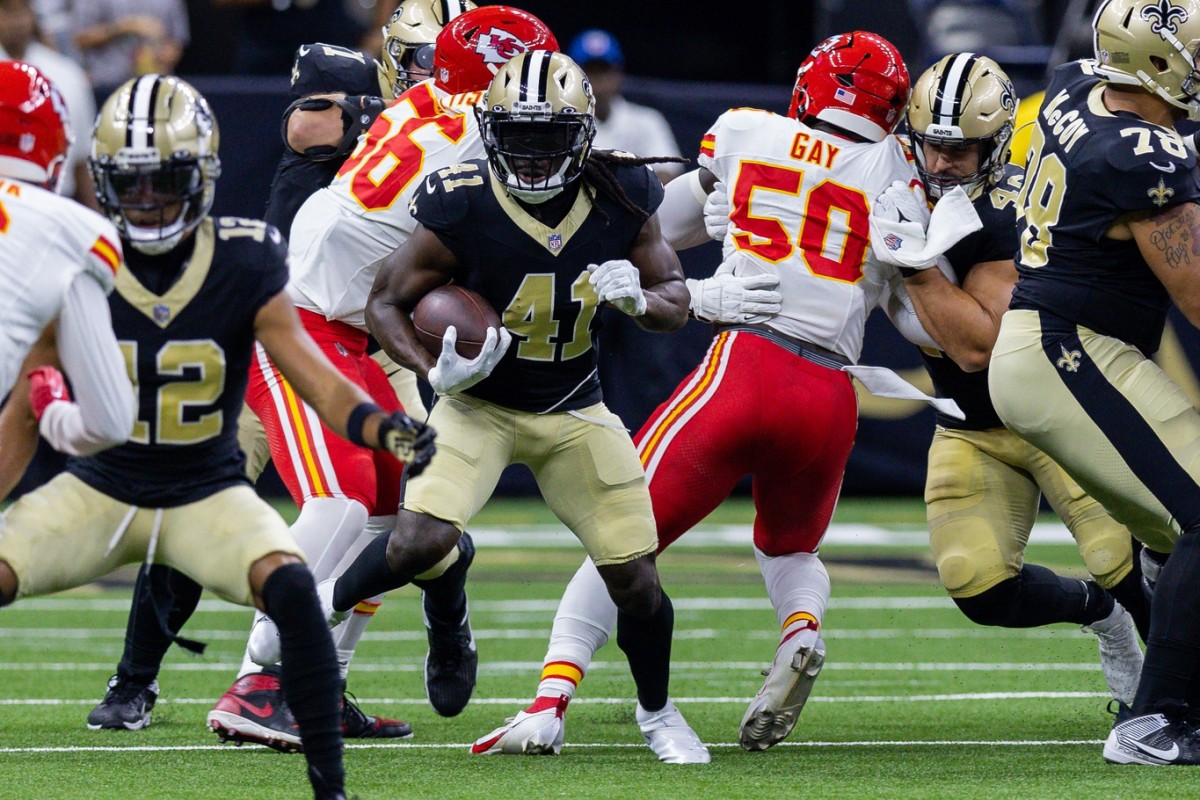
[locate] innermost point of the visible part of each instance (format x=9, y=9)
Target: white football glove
x=453, y=373
x=716, y=212
x=618, y=282
x=899, y=220
x=728, y=298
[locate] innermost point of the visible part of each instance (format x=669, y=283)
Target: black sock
x=1173, y=649
x=368, y=576
x=1131, y=594
x=647, y=645
x=309, y=677
x=1035, y=597
x=159, y=590
x=445, y=597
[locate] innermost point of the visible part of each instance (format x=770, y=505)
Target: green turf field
x=914, y=702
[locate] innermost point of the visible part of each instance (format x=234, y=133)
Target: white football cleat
x=536, y=731
x=776, y=708
x=263, y=646
x=670, y=737
x=1120, y=653
x=325, y=596
x=1153, y=740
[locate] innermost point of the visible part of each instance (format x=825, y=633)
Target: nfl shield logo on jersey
x=555, y=242
x=162, y=313
x=892, y=242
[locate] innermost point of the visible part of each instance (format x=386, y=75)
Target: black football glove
x=411, y=442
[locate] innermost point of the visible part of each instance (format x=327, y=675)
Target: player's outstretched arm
x=1169, y=240
x=344, y=407
x=406, y=275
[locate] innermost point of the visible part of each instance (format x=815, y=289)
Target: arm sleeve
x=682, y=212
x=103, y=412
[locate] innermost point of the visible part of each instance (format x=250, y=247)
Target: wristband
x=354, y=425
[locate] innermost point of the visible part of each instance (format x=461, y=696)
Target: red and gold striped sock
x=559, y=678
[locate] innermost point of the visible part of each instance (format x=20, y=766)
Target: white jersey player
x=337, y=237
x=800, y=201
x=58, y=261
x=790, y=302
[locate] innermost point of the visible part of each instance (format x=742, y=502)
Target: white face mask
x=534, y=196
x=156, y=241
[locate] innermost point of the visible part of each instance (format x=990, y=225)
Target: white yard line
x=539, y=606
x=84, y=634
x=571, y=745
x=608, y=701
x=506, y=667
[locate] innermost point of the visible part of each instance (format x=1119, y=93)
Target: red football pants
x=752, y=407
x=312, y=460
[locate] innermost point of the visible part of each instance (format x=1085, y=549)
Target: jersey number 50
x=832, y=248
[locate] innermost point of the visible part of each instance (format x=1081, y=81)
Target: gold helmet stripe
x=139, y=131
x=952, y=91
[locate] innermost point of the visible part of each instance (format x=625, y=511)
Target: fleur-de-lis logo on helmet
x=1008, y=96
x=1164, y=16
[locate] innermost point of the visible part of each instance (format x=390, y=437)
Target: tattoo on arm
x=1173, y=236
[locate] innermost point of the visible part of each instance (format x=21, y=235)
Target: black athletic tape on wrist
x=358, y=417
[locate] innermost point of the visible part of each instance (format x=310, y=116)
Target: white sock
x=325, y=529
x=585, y=619
x=249, y=667
x=798, y=587
x=347, y=635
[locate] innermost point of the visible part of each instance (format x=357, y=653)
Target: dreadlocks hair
x=601, y=179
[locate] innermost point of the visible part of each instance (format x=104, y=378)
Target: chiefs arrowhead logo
x=498, y=46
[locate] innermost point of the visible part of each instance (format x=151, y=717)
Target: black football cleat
x=358, y=725
x=126, y=706
x=452, y=664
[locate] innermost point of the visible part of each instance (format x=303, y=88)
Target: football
x=466, y=310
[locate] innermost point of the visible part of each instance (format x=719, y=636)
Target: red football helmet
x=474, y=46
x=856, y=81
x=35, y=132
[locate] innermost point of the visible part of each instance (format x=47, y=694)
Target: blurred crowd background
x=663, y=73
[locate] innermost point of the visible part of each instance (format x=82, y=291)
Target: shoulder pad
x=104, y=255
x=444, y=196
x=1141, y=146
x=321, y=68
x=248, y=232
x=742, y=118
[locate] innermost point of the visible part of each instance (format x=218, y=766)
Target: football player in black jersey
x=984, y=482
x=1110, y=218
x=197, y=293
x=546, y=231
x=337, y=94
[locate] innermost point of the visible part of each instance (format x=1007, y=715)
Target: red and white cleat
x=536, y=731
